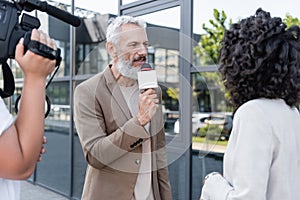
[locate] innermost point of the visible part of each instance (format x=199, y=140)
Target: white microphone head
x=147, y=77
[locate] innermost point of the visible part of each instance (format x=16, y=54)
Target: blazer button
x=137, y=161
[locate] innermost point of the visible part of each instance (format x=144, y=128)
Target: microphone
x=43, y=6
x=147, y=78
x=62, y=15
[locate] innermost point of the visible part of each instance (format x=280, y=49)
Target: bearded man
x=121, y=129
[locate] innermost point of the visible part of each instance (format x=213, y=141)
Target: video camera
x=12, y=30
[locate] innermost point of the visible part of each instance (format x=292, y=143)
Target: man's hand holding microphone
x=148, y=101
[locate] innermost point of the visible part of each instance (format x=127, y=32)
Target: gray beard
x=126, y=69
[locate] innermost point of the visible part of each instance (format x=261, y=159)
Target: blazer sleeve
x=163, y=174
x=99, y=147
x=162, y=164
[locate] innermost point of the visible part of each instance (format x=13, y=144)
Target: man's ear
x=111, y=49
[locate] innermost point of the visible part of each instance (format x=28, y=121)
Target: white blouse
x=262, y=160
x=9, y=189
x=6, y=119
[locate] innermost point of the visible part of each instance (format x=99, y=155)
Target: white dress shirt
x=262, y=160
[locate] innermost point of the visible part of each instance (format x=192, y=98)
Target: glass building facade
x=191, y=92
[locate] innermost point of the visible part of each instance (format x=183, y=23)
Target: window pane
x=164, y=33
x=164, y=56
x=57, y=125
x=212, y=114
x=79, y=164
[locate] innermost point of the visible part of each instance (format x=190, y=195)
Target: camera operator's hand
x=43, y=149
x=21, y=145
x=147, y=106
x=33, y=65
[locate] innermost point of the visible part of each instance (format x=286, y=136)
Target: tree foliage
x=289, y=20
x=173, y=92
x=209, y=45
x=207, y=52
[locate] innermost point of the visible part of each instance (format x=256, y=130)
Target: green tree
x=207, y=52
x=289, y=20
x=173, y=92
x=209, y=45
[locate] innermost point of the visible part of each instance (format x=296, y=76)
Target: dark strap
x=9, y=82
x=36, y=47
x=41, y=49
x=45, y=51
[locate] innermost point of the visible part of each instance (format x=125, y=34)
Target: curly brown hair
x=260, y=57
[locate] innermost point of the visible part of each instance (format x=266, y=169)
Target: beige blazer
x=111, y=140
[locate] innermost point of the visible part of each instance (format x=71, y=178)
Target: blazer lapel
x=116, y=93
x=156, y=123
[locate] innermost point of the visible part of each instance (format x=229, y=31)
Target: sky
x=203, y=10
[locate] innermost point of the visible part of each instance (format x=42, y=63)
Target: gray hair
x=115, y=24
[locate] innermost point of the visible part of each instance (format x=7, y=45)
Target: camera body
x=11, y=30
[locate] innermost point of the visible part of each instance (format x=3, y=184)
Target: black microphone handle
x=60, y=14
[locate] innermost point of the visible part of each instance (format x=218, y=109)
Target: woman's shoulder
x=252, y=104
x=264, y=107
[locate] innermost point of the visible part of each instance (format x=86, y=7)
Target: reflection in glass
x=87, y=8
x=90, y=40
x=128, y=1
x=163, y=55
x=58, y=119
x=57, y=159
x=211, y=125
x=209, y=91
x=79, y=166
x=167, y=68
x=165, y=18
x=53, y=171
x=212, y=118
x=92, y=58
x=164, y=37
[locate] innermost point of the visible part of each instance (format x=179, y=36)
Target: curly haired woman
x=260, y=66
